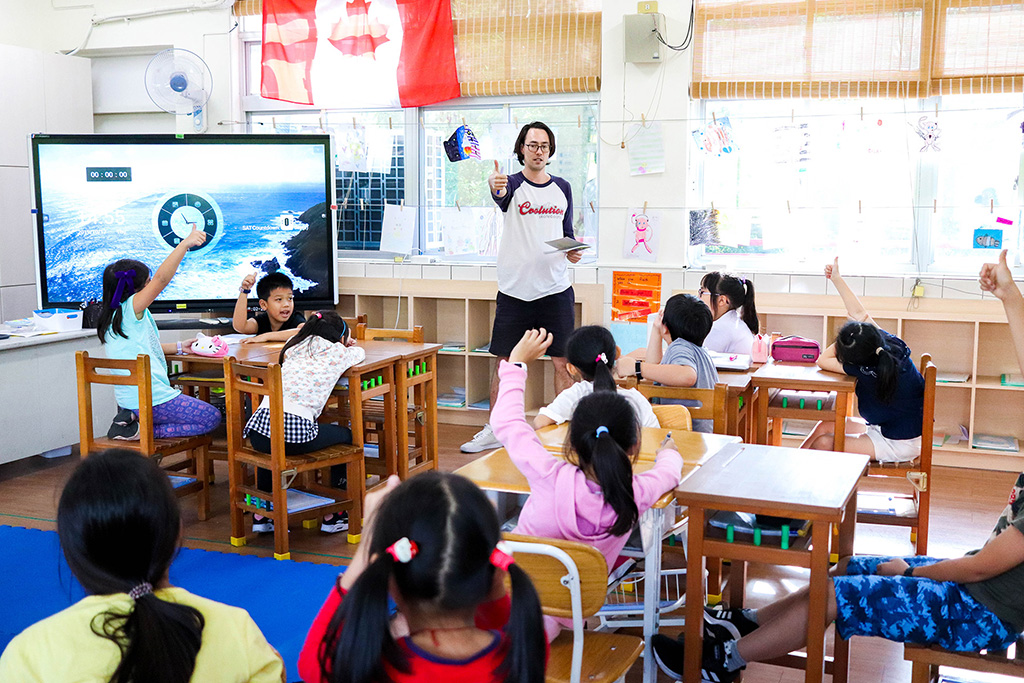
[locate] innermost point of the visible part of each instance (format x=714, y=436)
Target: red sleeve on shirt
x=309, y=656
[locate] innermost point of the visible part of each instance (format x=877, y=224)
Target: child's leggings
x=183, y=416
x=327, y=435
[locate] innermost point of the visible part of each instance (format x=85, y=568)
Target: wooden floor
x=965, y=505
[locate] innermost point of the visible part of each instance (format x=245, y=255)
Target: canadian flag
x=358, y=53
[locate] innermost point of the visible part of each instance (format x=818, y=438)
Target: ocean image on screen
x=263, y=206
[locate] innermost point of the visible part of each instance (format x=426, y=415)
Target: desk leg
x=844, y=546
x=842, y=399
x=430, y=443
x=762, y=416
x=815, y=665
x=694, y=596
x=355, y=400
x=652, y=587
x=394, y=458
x=402, y=419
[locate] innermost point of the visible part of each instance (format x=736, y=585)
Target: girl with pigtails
x=890, y=389
x=433, y=547
x=592, y=496
x=731, y=300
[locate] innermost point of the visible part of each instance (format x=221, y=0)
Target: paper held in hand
x=566, y=244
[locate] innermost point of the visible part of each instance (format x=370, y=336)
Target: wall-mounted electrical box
x=641, y=38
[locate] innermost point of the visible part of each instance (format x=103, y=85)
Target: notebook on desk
x=730, y=361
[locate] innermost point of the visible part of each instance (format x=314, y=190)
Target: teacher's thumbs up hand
x=497, y=181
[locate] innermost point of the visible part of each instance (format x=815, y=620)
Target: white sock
x=733, y=659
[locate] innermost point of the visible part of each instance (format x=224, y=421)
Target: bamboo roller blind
x=519, y=47
x=863, y=48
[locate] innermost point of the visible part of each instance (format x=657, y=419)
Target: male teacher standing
x=533, y=279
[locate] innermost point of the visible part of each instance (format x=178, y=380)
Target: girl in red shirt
x=431, y=544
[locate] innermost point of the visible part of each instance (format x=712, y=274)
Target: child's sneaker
x=335, y=523
x=738, y=621
x=262, y=525
x=128, y=432
x=484, y=440
x=669, y=654
x=124, y=417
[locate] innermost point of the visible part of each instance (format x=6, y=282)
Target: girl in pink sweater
x=591, y=496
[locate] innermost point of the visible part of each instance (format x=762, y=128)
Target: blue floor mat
x=282, y=596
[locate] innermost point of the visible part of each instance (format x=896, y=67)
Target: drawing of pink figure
x=641, y=232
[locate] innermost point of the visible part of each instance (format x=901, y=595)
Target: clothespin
x=622, y=145
x=579, y=120
x=645, y=208
x=463, y=120
x=935, y=206
x=936, y=109
x=273, y=123
x=858, y=206
x=788, y=208
x=991, y=206
x=401, y=204
x=713, y=119
x=712, y=206
x=389, y=123
x=862, y=113
x=322, y=114
x=643, y=120
x=360, y=203
x=353, y=122
x=792, y=115
x=515, y=121
x=592, y=210
x=421, y=123
x=459, y=208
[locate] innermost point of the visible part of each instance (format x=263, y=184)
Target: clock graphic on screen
x=177, y=214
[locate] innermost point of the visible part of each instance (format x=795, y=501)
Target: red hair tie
x=317, y=314
x=403, y=550
x=501, y=556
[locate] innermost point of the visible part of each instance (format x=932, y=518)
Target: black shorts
x=556, y=313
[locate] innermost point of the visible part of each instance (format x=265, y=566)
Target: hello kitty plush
x=214, y=347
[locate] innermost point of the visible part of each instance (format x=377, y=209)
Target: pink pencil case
x=795, y=350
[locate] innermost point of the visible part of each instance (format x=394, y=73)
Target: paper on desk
x=235, y=338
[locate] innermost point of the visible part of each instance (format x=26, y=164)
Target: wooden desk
x=788, y=482
x=495, y=472
x=772, y=377
x=739, y=402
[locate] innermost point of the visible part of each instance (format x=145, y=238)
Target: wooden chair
x=927, y=660
x=258, y=382
x=712, y=401
x=137, y=373
x=916, y=505
x=414, y=335
x=571, y=579
x=674, y=416
x=354, y=321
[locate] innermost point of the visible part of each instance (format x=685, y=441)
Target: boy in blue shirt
x=683, y=323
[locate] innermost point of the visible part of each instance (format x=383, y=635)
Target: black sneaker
x=335, y=523
x=262, y=525
x=124, y=417
x=128, y=432
x=735, y=621
x=669, y=653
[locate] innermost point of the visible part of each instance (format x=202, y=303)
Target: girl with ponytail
x=432, y=544
x=731, y=300
x=591, y=496
x=591, y=355
x=119, y=527
x=890, y=389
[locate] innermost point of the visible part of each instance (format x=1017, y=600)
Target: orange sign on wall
x=635, y=295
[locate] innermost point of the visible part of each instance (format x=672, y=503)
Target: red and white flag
x=358, y=53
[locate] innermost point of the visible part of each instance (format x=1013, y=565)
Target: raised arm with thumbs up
x=997, y=279
x=497, y=181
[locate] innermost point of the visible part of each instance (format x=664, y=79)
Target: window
x=809, y=179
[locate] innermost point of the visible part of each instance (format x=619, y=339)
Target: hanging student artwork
x=642, y=235
x=646, y=149
x=462, y=145
x=351, y=152
x=716, y=138
x=929, y=131
x=398, y=229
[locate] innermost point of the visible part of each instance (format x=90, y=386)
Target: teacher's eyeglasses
x=535, y=147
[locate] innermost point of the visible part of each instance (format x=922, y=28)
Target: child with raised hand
x=591, y=496
x=278, y=320
x=312, y=362
x=591, y=355
x=890, y=389
x=127, y=329
x=683, y=323
x=996, y=279
x=432, y=544
x=731, y=300
x=120, y=527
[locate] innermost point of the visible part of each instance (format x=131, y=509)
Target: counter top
x=24, y=342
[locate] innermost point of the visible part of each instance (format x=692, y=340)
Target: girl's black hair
x=740, y=293
x=584, y=348
x=118, y=521
x=110, y=316
x=863, y=344
x=607, y=455
x=326, y=323
x=521, y=140
x=455, y=529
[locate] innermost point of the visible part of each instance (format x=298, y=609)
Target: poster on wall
x=642, y=235
x=635, y=297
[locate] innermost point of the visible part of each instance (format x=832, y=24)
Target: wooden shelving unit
x=458, y=312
